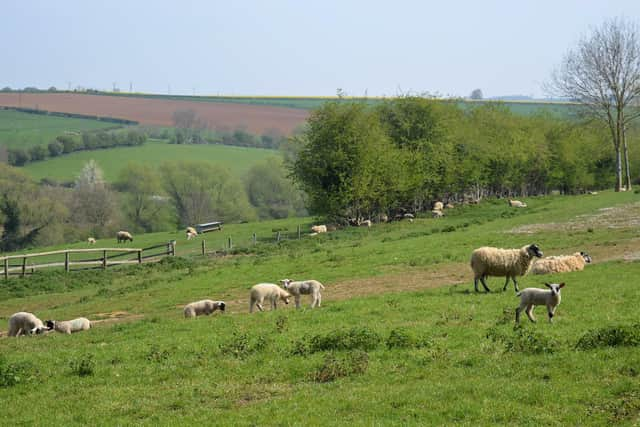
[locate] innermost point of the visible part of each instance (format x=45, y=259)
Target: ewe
x=509, y=263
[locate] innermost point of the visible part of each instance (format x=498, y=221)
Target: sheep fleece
x=559, y=264
x=75, y=325
x=22, y=322
x=500, y=262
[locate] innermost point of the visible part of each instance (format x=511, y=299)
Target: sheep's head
x=586, y=257
x=38, y=330
x=285, y=283
x=50, y=324
x=534, y=251
x=285, y=297
x=555, y=287
x=221, y=305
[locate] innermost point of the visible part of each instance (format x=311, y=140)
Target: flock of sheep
x=485, y=261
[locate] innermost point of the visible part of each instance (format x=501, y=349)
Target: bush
x=84, y=366
x=14, y=373
x=55, y=148
x=522, y=341
x=611, y=336
x=241, y=345
x=37, y=152
x=403, y=338
x=18, y=157
x=334, y=367
x=355, y=338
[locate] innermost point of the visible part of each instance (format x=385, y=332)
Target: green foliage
x=610, y=336
x=522, y=340
x=335, y=366
x=405, y=338
x=83, y=366
x=361, y=338
x=12, y=374
x=242, y=345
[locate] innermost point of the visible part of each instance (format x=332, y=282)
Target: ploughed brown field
x=256, y=119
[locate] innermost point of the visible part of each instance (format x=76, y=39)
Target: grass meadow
x=401, y=338
x=24, y=130
x=154, y=152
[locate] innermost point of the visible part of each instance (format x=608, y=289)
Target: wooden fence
x=108, y=257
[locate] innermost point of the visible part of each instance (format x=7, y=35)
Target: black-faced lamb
x=268, y=291
x=123, y=236
x=510, y=263
x=23, y=323
x=530, y=297
x=69, y=326
x=304, y=287
x=205, y=306
x=561, y=263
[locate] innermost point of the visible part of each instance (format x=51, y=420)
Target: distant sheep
x=91, y=240
x=23, y=323
x=437, y=213
x=123, y=236
x=205, y=306
x=304, y=287
x=561, y=264
x=449, y=205
x=69, y=326
x=530, y=297
x=438, y=206
x=517, y=204
x=510, y=263
x=268, y=291
x=191, y=233
x=366, y=223
x=317, y=229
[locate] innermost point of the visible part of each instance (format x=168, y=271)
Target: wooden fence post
x=140, y=256
x=254, y=239
x=6, y=268
x=24, y=266
x=277, y=236
x=104, y=260
x=204, y=248
x=298, y=232
x=173, y=247
x=230, y=243
x=66, y=261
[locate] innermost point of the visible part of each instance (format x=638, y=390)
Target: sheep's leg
x=483, y=280
x=515, y=283
x=297, y=298
x=518, y=311
x=529, y=312
x=551, y=311
x=318, y=300
x=274, y=304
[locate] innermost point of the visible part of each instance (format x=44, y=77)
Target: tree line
x=358, y=161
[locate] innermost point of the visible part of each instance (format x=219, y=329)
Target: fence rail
x=104, y=261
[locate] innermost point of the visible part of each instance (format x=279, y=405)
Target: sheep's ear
x=561, y=285
x=547, y=285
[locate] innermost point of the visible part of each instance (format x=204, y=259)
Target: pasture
x=153, y=152
x=24, y=130
x=401, y=337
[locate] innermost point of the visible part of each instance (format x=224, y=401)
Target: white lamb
x=517, y=204
x=69, y=326
x=304, y=287
x=530, y=297
x=366, y=223
x=23, y=323
x=438, y=206
x=561, y=263
x=191, y=233
x=319, y=229
x=271, y=292
x=509, y=263
x=91, y=240
x=205, y=306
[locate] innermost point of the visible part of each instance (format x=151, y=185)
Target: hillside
x=154, y=152
x=401, y=337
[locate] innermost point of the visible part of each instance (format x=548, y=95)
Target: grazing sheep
x=366, y=223
x=91, y=240
x=561, y=263
x=206, y=307
x=304, y=287
x=384, y=218
x=271, y=292
x=437, y=213
x=509, y=263
x=123, y=236
x=69, y=326
x=530, y=297
x=191, y=233
x=438, y=206
x=449, y=205
x=517, y=204
x=23, y=323
x=319, y=229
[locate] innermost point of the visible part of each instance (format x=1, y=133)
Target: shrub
x=522, y=340
x=241, y=345
x=84, y=366
x=403, y=338
x=611, y=336
x=55, y=148
x=355, y=338
x=14, y=373
x=334, y=367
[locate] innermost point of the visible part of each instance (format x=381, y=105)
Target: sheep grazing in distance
x=437, y=213
x=91, y=240
x=561, y=263
x=304, y=287
x=69, y=326
x=530, y=297
x=449, y=205
x=317, y=229
x=123, y=236
x=517, y=204
x=366, y=223
x=268, y=291
x=509, y=263
x=438, y=206
x=205, y=306
x=23, y=323
x=191, y=233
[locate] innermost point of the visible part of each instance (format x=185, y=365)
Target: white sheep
x=319, y=229
x=205, y=306
x=438, y=206
x=271, y=292
x=123, y=236
x=449, y=205
x=191, y=233
x=304, y=287
x=91, y=240
x=366, y=223
x=69, y=326
x=561, y=263
x=517, y=204
x=509, y=263
x=23, y=323
x=530, y=297
x=437, y=213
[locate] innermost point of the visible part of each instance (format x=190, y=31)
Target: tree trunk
x=626, y=161
x=618, y=169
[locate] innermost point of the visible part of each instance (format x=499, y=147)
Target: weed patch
x=522, y=340
x=84, y=366
x=611, y=336
x=335, y=366
x=14, y=373
x=404, y=338
x=355, y=338
x=241, y=345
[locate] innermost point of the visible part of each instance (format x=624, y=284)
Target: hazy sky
x=296, y=47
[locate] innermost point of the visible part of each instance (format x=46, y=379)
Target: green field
x=22, y=130
x=401, y=338
x=154, y=152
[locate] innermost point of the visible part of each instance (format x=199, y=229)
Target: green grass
x=154, y=152
x=429, y=357
x=24, y=130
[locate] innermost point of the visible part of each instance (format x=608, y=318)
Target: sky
x=296, y=47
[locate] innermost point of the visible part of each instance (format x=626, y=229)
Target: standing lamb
x=271, y=292
x=23, y=323
x=304, y=287
x=69, y=326
x=517, y=204
x=561, y=263
x=509, y=263
x=191, y=233
x=123, y=236
x=205, y=306
x=438, y=206
x=91, y=240
x=530, y=297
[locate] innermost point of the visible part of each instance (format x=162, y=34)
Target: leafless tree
x=603, y=74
